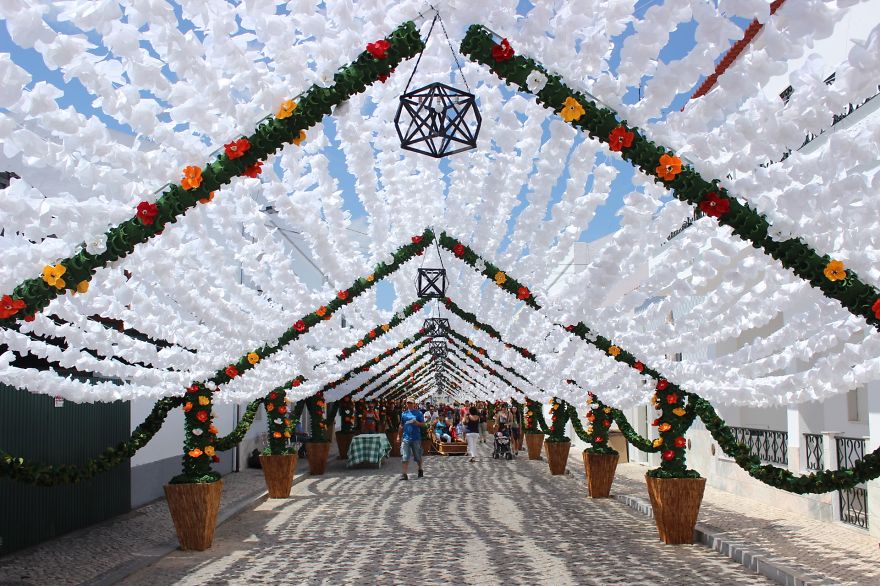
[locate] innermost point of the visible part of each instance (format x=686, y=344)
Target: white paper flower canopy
x=181, y=83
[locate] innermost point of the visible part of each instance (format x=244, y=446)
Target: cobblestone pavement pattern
x=490, y=522
x=82, y=556
x=843, y=554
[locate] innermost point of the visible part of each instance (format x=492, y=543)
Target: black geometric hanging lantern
x=432, y=283
x=436, y=327
x=438, y=120
x=438, y=349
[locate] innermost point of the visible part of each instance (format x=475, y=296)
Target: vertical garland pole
x=534, y=436
x=557, y=443
x=194, y=496
x=676, y=492
x=347, y=428
x=318, y=448
x=279, y=464
x=600, y=459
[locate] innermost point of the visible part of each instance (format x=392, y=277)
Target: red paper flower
x=300, y=326
x=254, y=170
x=569, y=328
x=231, y=371
x=598, y=439
x=192, y=389
x=10, y=306
x=272, y=396
x=296, y=382
x=523, y=293
x=876, y=309
x=672, y=398
x=668, y=455
x=282, y=409
x=459, y=250
x=714, y=205
x=502, y=51
x=237, y=148
x=662, y=384
x=639, y=366
x=379, y=49
x=147, y=212
x=29, y=318
x=655, y=423
x=215, y=458
x=384, y=77
x=202, y=416
x=416, y=239
x=372, y=333
x=620, y=139
x=606, y=422
x=342, y=295
x=680, y=442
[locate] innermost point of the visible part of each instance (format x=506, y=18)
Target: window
x=852, y=405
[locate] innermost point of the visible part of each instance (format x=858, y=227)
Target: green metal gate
x=31, y=426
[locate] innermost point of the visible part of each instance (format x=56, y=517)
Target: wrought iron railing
x=853, y=501
x=768, y=444
x=814, y=451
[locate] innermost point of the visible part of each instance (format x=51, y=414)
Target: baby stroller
x=502, y=445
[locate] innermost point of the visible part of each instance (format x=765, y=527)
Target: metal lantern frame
x=438, y=348
x=436, y=327
x=432, y=283
x=437, y=119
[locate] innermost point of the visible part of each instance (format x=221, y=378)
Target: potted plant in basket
x=279, y=459
x=557, y=443
x=347, y=427
x=318, y=447
x=600, y=459
x=532, y=429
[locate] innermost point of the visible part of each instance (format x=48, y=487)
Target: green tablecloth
x=368, y=447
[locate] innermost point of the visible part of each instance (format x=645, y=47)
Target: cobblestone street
x=490, y=522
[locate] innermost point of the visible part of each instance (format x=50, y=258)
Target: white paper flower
x=536, y=81
x=211, y=386
x=780, y=234
x=594, y=406
x=480, y=265
x=98, y=245
x=197, y=431
x=278, y=422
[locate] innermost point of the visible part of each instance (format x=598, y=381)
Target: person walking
x=472, y=425
x=411, y=423
x=484, y=419
x=370, y=421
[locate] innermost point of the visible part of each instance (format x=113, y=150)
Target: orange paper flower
x=571, y=110
x=194, y=453
x=286, y=109
x=835, y=271
x=321, y=311
x=253, y=357
x=664, y=427
x=192, y=178
x=614, y=350
x=298, y=140
x=669, y=167
x=209, y=450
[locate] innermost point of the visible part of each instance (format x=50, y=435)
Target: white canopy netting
x=169, y=84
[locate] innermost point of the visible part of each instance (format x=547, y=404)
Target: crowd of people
x=459, y=422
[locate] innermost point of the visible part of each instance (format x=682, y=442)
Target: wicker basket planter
x=394, y=440
x=534, y=441
x=194, y=512
x=676, y=503
x=557, y=456
x=278, y=471
x=343, y=441
x=317, y=453
x=599, y=469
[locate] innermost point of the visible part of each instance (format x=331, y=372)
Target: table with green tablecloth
x=368, y=447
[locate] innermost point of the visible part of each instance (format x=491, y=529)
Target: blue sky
x=606, y=221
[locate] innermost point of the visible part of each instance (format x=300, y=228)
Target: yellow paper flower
x=614, y=351
x=52, y=275
x=253, y=357
x=209, y=450
x=385, y=327
x=400, y=346
x=835, y=271
x=371, y=278
x=82, y=286
x=607, y=409
x=679, y=411
x=297, y=140
x=204, y=401
x=571, y=110
x=589, y=429
x=500, y=278
x=286, y=109
x=658, y=442
x=470, y=342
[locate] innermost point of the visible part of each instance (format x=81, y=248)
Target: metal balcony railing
x=767, y=444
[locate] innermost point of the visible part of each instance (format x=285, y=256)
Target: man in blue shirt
x=411, y=423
